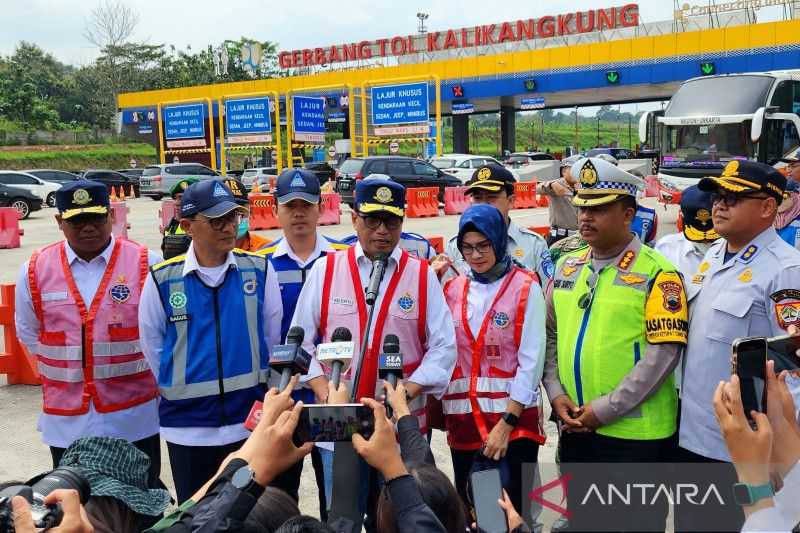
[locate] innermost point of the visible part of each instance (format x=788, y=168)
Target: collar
x=513, y=231
x=395, y=255
x=322, y=246
x=746, y=254
x=105, y=254
x=190, y=264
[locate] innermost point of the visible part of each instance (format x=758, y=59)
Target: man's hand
x=413, y=389
x=338, y=396
x=75, y=518
x=440, y=264
x=566, y=411
x=397, y=399
x=588, y=419
x=496, y=444
x=380, y=451
x=276, y=402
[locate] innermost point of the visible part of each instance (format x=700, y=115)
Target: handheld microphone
x=290, y=358
x=375, y=277
x=337, y=354
x=390, y=364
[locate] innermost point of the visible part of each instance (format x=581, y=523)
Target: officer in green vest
x=176, y=241
x=617, y=324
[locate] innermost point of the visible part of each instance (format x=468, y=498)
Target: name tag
x=179, y=318
x=339, y=300
x=54, y=296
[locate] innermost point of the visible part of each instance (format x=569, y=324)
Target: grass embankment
x=76, y=157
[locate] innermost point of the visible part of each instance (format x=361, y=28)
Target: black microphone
x=290, y=358
x=375, y=277
x=338, y=353
x=390, y=364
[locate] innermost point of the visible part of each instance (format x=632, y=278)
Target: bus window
x=787, y=96
x=782, y=138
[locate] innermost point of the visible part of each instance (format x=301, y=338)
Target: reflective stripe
x=289, y=276
x=209, y=388
x=486, y=405
x=456, y=407
x=61, y=353
x=179, y=356
x=484, y=385
x=67, y=375
x=120, y=369
x=251, y=313
x=117, y=348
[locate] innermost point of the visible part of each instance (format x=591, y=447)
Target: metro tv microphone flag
x=337, y=354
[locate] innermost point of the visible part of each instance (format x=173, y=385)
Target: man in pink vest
x=77, y=311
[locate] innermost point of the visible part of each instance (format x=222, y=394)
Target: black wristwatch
x=245, y=480
x=510, y=419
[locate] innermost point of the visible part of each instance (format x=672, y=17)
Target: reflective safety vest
x=599, y=345
x=402, y=312
x=478, y=393
x=791, y=233
x=214, y=360
x=176, y=241
x=90, y=354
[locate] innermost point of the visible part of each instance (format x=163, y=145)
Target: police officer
x=616, y=326
x=207, y=321
x=245, y=239
x=748, y=286
x=76, y=311
x=494, y=185
x=297, y=196
x=175, y=241
x=562, y=212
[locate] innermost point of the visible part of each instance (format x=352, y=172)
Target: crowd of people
x=630, y=339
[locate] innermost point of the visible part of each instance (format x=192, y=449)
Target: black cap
x=238, y=190
x=696, y=211
x=492, y=178
x=82, y=197
x=210, y=198
x=745, y=177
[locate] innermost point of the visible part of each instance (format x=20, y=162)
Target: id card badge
x=492, y=345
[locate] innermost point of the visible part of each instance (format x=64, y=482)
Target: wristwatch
x=510, y=419
x=244, y=479
x=746, y=494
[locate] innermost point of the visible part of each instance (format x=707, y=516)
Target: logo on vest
x=501, y=320
x=177, y=300
x=249, y=287
x=120, y=293
x=340, y=300
x=406, y=303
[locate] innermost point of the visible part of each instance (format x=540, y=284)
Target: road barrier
x=262, y=211
x=422, y=202
x=166, y=213
x=15, y=361
x=10, y=231
x=544, y=231
x=120, y=226
x=543, y=200
x=455, y=200
x=330, y=212
x=651, y=187
x=525, y=195
x=437, y=242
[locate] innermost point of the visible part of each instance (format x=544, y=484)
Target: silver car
x=157, y=180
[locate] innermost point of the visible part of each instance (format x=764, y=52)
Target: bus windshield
x=707, y=142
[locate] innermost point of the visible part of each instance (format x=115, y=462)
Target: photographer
x=75, y=519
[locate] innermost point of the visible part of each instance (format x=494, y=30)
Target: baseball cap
x=492, y=178
x=181, y=186
x=82, y=197
x=210, y=198
x=747, y=176
x=296, y=183
x=238, y=190
x=696, y=212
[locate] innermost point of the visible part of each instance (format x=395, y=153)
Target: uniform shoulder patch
x=666, y=310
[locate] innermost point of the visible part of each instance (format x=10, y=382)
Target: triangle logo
x=219, y=190
x=298, y=181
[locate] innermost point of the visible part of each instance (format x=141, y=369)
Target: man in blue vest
x=297, y=196
x=207, y=320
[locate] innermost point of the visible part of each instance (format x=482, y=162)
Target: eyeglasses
x=373, y=222
x=731, y=199
x=468, y=250
x=80, y=221
x=219, y=223
x=585, y=301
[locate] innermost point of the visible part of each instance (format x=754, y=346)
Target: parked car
x=323, y=170
x=463, y=166
x=157, y=180
x=260, y=175
x=407, y=171
x=521, y=159
x=44, y=190
x=53, y=176
x=617, y=153
x=112, y=179
x=134, y=173
x=23, y=201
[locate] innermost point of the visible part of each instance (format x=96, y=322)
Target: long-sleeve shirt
x=61, y=431
x=434, y=372
x=785, y=514
x=153, y=329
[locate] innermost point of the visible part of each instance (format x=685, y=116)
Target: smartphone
x=783, y=350
x=750, y=364
x=486, y=490
x=334, y=423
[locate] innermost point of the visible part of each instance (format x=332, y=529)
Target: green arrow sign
x=530, y=85
x=708, y=68
x=612, y=76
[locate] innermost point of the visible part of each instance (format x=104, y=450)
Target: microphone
x=390, y=364
x=290, y=358
x=337, y=354
x=375, y=277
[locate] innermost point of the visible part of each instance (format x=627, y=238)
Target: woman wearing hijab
x=492, y=405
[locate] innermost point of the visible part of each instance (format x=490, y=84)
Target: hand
x=588, y=418
x=397, y=399
x=750, y=449
x=780, y=412
x=440, y=264
x=277, y=402
x=794, y=331
x=75, y=518
x=496, y=444
x=380, y=451
x=566, y=411
x=340, y=395
x=413, y=389
x=269, y=450
x=512, y=516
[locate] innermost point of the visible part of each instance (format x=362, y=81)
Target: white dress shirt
x=153, y=328
x=135, y=423
x=685, y=255
x=785, y=514
x=321, y=246
x=436, y=368
x=525, y=385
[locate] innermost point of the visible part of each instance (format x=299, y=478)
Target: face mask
x=244, y=226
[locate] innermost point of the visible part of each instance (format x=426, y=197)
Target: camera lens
x=65, y=477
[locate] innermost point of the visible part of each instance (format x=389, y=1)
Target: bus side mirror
x=643, y=120
x=758, y=124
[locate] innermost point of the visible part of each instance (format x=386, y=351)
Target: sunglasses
x=374, y=222
x=585, y=301
x=731, y=199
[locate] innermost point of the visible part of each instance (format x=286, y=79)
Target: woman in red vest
x=492, y=405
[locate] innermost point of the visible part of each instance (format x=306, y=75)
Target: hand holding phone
x=487, y=489
x=334, y=423
x=750, y=365
x=783, y=350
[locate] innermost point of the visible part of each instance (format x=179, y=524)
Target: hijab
x=489, y=222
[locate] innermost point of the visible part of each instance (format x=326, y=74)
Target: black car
x=407, y=171
x=134, y=173
x=54, y=176
x=23, y=201
x=113, y=179
x=323, y=170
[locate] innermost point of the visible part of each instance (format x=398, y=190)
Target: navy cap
x=82, y=197
x=492, y=178
x=745, y=177
x=296, y=183
x=791, y=159
x=377, y=193
x=696, y=213
x=238, y=190
x=210, y=198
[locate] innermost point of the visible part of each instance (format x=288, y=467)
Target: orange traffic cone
x=114, y=194
x=132, y=193
x=121, y=193
x=256, y=188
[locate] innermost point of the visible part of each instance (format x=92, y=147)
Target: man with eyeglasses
x=787, y=223
x=208, y=320
x=245, y=239
x=410, y=304
x=76, y=311
x=747, y=285
x=617, y=320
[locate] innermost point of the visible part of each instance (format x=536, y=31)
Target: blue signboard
x=463, y=109
x=308, y=114
x=337, y=116
x=399, y=104
x=430, y=147
x=248, y=115
x=537, y=102
x=184, y=121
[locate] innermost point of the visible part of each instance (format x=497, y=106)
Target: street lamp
x=422, y=18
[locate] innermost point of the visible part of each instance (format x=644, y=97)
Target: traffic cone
x=256, y=188
x=121, y=193
x=114, y=194
x=132, y=194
